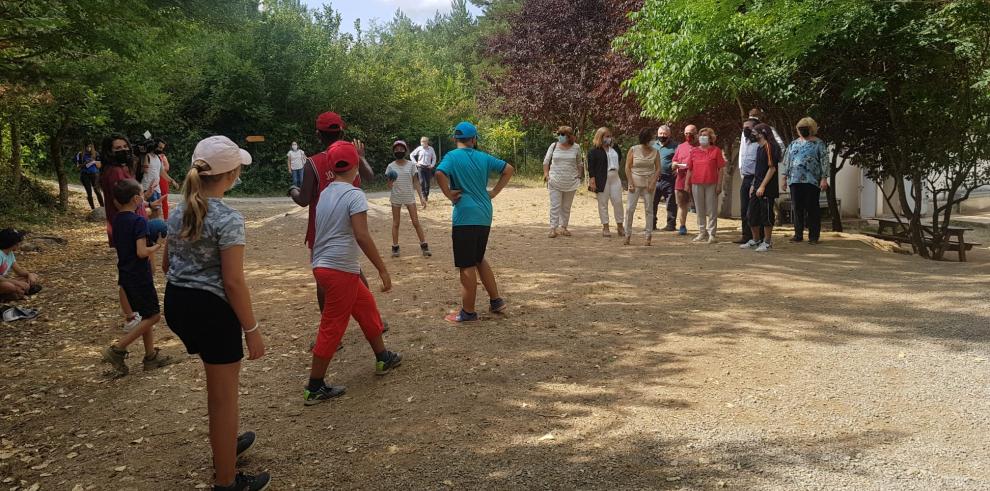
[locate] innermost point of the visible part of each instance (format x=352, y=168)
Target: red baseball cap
x=330, y=121
x=344, y=156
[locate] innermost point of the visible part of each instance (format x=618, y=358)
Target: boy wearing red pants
x=341, y=229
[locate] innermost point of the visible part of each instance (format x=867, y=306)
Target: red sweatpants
x=163, y=184
x=345, y=296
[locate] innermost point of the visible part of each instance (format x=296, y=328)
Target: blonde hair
x=599, y=139
x=194, y=215
x=711, y=133
x=809, y=123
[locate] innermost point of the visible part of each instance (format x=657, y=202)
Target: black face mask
x=122, y=157
x=663, y=139
x=748, y=133
x=805, y=131
x=159, y=151
x=400, y=155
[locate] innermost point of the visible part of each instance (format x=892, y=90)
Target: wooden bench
x=898, y=232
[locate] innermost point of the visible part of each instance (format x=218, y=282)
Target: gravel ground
x=678, y=366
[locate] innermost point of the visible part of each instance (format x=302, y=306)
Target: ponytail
x=194, y=215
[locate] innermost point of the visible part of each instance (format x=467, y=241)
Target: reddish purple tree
x=558, y=67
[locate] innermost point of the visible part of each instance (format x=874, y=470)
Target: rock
x=41, y=243
x=97, y=215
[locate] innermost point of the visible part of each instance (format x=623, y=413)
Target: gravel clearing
x=676, y=366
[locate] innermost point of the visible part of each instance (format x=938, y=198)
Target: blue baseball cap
x=464, y=131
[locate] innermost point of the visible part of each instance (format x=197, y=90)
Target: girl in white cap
x=403, y=180
x=207, y=302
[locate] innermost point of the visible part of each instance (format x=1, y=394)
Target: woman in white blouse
x=563, y=173
x=604, y=160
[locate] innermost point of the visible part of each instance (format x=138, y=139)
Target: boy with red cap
x=318, y=174
x=341, y=228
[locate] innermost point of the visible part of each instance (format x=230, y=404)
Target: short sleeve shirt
x=334, y=246
x=681, y=155
x=468, y=170
x=108, y=180
x=764, y=158
x=297, y=159
x=402, y=189
x=7, y=261
x=705, y=164
x=129, y=227
x=666, y=156
x=196, y=263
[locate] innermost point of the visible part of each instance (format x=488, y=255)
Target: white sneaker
x=752, y=244
x=131, y=324
x=712, y=239
x=764, y=247
x=700, y=238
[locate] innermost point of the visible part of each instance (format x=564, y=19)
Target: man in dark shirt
x=665, y=185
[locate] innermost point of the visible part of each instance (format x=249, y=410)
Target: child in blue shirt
x=463, y=178
x=130, y=236
x=22, y=282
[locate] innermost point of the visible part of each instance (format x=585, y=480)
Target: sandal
x=565, y=232
x=553, y=233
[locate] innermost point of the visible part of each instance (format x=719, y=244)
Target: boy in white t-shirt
x=403, y=181
x=341, y=235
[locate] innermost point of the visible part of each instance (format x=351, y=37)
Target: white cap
x=221, y=154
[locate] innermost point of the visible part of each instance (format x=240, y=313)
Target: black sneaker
x=325, y=393
x=244, y=442
x=244, y=482
x=426, y=249
x=796, y=240
x=383, y=367
x=395, y=251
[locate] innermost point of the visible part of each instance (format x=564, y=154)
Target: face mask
x=399, y=155
x=295, y=147
x=159, y=151
x=561, y=139
x=607, y=141
x=805, y=131
x=748, y=133
x=690, y=138
x=664, y=139
x=122, y=157
x=704, y=139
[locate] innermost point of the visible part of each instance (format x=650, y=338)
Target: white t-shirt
x=297, y=159
x=613, y=159
x=402, y=189
x=334, y=246
x=564, y=164
x=151, y=180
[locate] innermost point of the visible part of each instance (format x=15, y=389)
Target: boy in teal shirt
x=463, y=178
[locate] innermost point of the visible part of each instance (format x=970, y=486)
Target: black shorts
x=143, y=298
x=205, y=323
x=761, y=212
x=470, y=244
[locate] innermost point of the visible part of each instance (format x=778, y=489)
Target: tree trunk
x=55, y=158
x=726, y=209
x=833, y=203
x=15, y=156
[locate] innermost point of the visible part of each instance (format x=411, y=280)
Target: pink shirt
x=705, y=164
x=682, y=154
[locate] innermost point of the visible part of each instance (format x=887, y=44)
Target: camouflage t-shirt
x=196, y=264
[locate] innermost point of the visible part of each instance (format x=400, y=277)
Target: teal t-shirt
x=468, y=171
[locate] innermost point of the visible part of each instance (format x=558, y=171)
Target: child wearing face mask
x=404, y=184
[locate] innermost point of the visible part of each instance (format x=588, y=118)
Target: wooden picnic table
x=899, y=233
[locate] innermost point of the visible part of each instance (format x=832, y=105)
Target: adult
x=805, y=171
x=318, y=174
x=665, y=185
x=295, y=160
x=165, y=182
x=563, y=173
x=603, y=171
x=704, y=176
x=87, y=161
x=764, y=189
x=748, y=149
x=426, y=163
x=682, y=192
x=643, y=170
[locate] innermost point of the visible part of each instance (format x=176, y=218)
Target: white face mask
x=561, y=139
x=704, y=139
x=295, y=147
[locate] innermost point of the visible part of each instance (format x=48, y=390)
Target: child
x=130, y=236
x=24, y=282
x=341, y=228
x=402, y=188
x=207, y=302
x=463, y=178
x=764, y=190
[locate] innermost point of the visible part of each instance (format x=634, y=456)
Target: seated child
x=22, y=282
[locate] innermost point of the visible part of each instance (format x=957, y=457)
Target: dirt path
x=680, y=366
